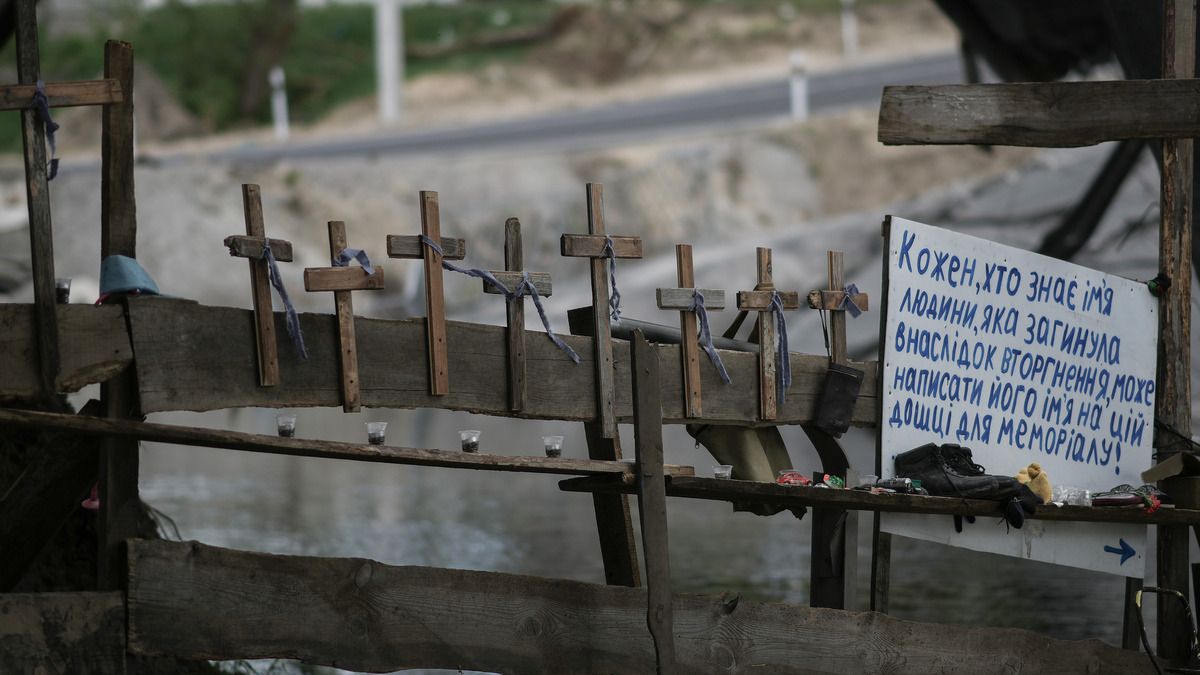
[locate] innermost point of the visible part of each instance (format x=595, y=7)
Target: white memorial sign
x=1021, y=358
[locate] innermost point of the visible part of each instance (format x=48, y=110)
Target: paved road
x=738, y=105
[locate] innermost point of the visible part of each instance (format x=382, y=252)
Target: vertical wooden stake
x=260, y=287
x=652, y=499
x=689, y=346
x=1173, y=403
x=768, y=405
x=602, y=339
x=514, y=261
x=837, y=320
x=435, y=303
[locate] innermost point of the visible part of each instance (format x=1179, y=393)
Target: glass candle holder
x=723, y=471
x=376, y=432
x=868, y=480
x=470, y=440
x=62, y=290
x=285, y=425
x=553, y=445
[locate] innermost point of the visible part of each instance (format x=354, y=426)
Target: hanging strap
x=41, y=105
x=293, y=321
x=706, y=341
x=614, y=300
x=848, y=303
x=783, y=358
x=347, y=254
x=526, y=287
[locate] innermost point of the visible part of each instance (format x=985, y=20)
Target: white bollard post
x=849, y=29
x=387, y=59
x=279, y=107
x=799, y=86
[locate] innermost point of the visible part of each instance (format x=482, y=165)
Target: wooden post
x=343, y=280
x=592, y=246
x=759, y=300
x=512, y=277
x=251, y=247
x=689, y=346
x=614, y=523
x=37, y=191
x=652, y=499
x=1173, y=403
x=119, y=501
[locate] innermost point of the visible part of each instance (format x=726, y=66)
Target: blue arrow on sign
x=1125, y=551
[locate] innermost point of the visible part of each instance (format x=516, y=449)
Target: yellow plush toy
x=1036, y=479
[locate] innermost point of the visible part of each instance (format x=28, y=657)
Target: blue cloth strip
x=706, y=342
x=41, y=105
x=293, y=321
x=347, y=254
x=526, y=287
x=614, y=299
x=783, y=374
x=848, y=303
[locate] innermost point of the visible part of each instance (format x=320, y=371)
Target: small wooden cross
x=411, y=247
x=511, y=277
x=343, y=280
x=689, y=344
x=833, y=299
x=759, y=300
x=251, y=247
x=592, y=245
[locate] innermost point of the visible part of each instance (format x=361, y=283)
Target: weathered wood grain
x=1041, y=114
x=760, y=301
x=62, y=633
x=512, y=279
x=243, y=246
x=118, y=208
x=300, y=447
x=605, y=390
x=514, y=313
x=193, y=357
x=201, y=602
x=831, y=301
x=592, y=245
x=94, y=340
x=260, y=287
x=837, y=320
x=652, y=500
x=352, y=278
x=681, y=298
x=435, y=299
x=689, y=344
x=62, y=94
x=614, y=522
x=410, y=246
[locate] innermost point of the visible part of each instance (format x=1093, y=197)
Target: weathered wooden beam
x=243, y=246
x=751, y=492
x=342, y=279
x=260, y=285
x=118, y=208
x=831, y=301
x=62, y=94
x=1039, y=114
x=435, y=299
x=95, y=345
x=514, y=314
x=62, y=633
x=49, y=489
x=614, y=522
x=681, y=298
x=302, y=447
x=760, y=301
x=363, y=615
x=511, y=279
x=592, y=245
x=192, y=357
x=652, y=501
x=410, y=246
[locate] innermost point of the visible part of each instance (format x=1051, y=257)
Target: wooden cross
x=343, y=280
x=251, y=247
x=511, y=277
x=759, y=300
x=833, y=300
x=592, y=245
x=411, y=247
x=689, y=344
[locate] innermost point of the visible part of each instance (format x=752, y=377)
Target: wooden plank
x=751, y=492
x=195, y=601
x=652, y=500
x=768, y=403
x=881, y=542
x=118, y=208
x=252, y=247
x=344, y=310
x=94, y=340
x=62, y=94
x=602, y=335
x=435, y=301
x=43, y=496
x=193, y=357
x=1041, y=114
x=410, y=246
x=351, y=278
x=831, y=301
x=760, y=301
x=681, y=298
x=62, y=633
x=591, y=245
x=837, y=320
x=37, y=193
x=514, y=310
x=260, y=289
x=1131, y=638
x=1172, y=404
x=689, y=344
x=512, y=279
x=301, y=447
x=614, y=524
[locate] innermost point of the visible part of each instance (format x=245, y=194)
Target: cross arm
x=63, y=94
x=342, y=279
x=242, y=246
x=832, y=300
x=760, y=301
x=681, y=298
x=410, y=246
x=592, y=246
x=540, y=281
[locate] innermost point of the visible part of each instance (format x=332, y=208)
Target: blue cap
x=122, y=274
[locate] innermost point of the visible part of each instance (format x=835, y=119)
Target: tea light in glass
x=723, y=471
x=376, y=432
x=286, y=425
x=62, y=290
x=553, y=445
x=470, y=440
